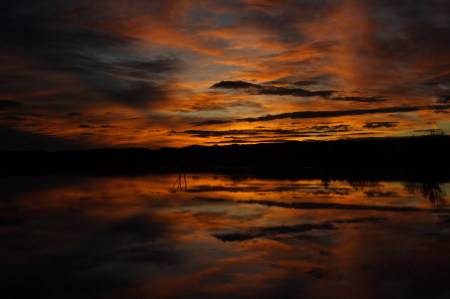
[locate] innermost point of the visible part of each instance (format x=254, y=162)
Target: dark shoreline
x=427, y=156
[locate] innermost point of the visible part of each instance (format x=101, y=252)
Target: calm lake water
x=222, y=237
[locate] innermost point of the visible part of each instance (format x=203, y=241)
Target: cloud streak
x=339, y=113
x=326, y=114
x=385, y=124
x=271, y=90
x=266, y=132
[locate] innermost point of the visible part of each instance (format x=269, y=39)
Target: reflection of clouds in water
x=108, y=260
x=252, y=188
x=256, y=232
x=271, y=231
x=432, y=191
x=131, y=237
x=319, y=205
x=389, y=263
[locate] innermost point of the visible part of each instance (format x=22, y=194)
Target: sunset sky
x=145, y=73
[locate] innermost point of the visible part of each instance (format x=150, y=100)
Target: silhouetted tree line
x=414, y=153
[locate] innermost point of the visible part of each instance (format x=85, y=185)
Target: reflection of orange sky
x=215, y=42
x=66, y=213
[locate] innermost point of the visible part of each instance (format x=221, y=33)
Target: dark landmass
x=429, y=154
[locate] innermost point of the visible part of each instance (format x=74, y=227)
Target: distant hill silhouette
x=431, y=153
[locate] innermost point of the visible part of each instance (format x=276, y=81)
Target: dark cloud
x=73, y=46
x=385, y=124
x=85, y=126
x=296, y=92
x=360, y=99
x=261, y=130
x=211, y=122
x=320, y=127
x=443, y=98
x=235, y=85
x=339, y=113
x=272, y=90
x=302, y=133
x=8, y=104
x=109, y=126
x=141, y=94
x=337, y=128
x=202, y=133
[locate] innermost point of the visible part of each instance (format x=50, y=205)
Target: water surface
x=224, y=236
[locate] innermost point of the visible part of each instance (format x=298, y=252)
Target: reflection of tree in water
x=178, y=182
x=428, y=184
x=362, y=184
x=431, y=190
x=355, y=184
x=326, y=182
